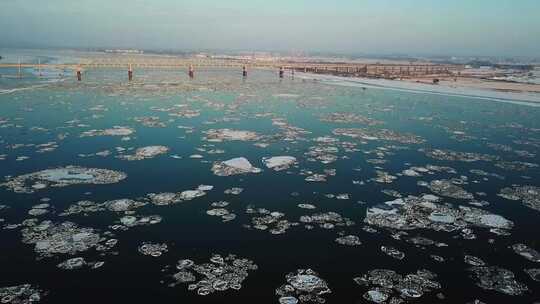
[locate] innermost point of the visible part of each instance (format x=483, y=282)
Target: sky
x=419, y=27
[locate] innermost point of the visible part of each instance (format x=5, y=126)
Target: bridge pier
x=244, y=72
x=130, y=73
x=191, y=71
x=79, y=74
x=281, y=72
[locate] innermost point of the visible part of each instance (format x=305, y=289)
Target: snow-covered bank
x=521, y=98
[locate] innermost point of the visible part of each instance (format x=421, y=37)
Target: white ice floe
x=146, y=152
x=114, y=131
x=239, y=165
x=228, y=134
x=278, y=163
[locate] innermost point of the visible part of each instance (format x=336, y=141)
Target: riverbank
x=478, y=83
x=527, y=94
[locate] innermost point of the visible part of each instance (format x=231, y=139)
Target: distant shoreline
x=498, y=90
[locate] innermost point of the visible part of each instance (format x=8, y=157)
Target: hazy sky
x=462, y=27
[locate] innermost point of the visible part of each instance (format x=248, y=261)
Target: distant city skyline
x=459, y=27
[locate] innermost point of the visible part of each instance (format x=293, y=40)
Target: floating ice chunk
x=441, y=217
x=61, y=177
x=150, y=121
x=411, y=293
x=306, y=282
x=122, y=205
x=529, y=195
x=164, y=198
x=185, y=263
x=21, y=294
x=431, y=198
x=191, y=194
x=63, y=238
x=393, y=252
x=220, y=204
x=231, y=135
x=288, y=300
x=473, y=261
x=205, y=187
x=239, y=165
x=527, y=252
x=349, y=240
x=417, y=213
x=221, y=274
x=516, y=165
x=145, y=153
x=114, y=131
x=307, y=206
x=495, y=221
x=498, y=279
x=305, y=286
x=272, y=221
x=382, y=134
x=458, y=156
x=118, y=131
x=233, y=191
x=153, y=249
x=349, y=118
x=217, y=212
x=376, y=295
x=73, y=263
x=279, y=163
x=326, y=220
x=343, y=196
x=534, y=273
x=447, y=188
x=410, y=172
x=316, y=178
x=384, y=177
x=130, y=220
x=381, y=209
x=37, y=212
x=384, y=283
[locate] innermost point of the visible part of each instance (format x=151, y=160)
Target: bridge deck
x=185, y=64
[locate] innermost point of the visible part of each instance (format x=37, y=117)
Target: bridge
x=335, y=68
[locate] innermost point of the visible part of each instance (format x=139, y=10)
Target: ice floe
x=303, y=286
x=115, y=131
x=234, y=166
x=498, y=279
x=222, y=273
x=145, y=153
x=61, y=177
x=529, y=195
x=419, y=213
x=153, y=249
x=278, y=163
x=384, y=284
x=230, y=135
x=21, y=294
x=51, y=238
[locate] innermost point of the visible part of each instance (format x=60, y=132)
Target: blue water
x=190, y=233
